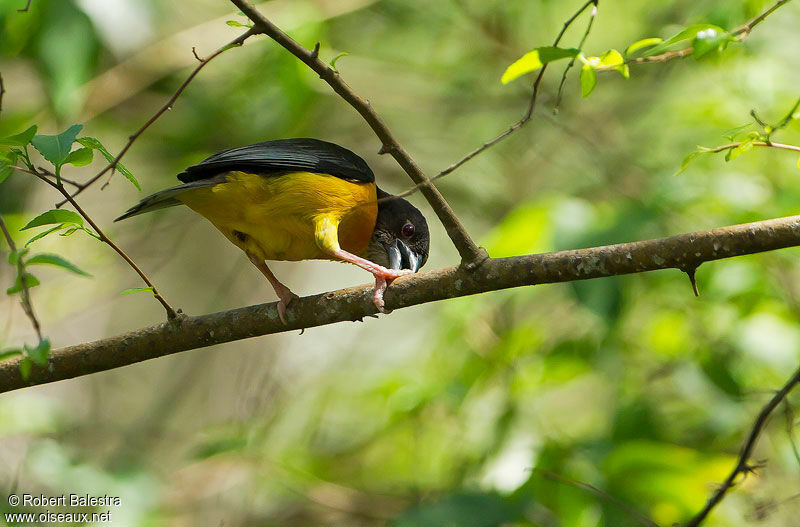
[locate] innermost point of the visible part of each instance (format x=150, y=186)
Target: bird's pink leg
x=383, y=276
x=283, y=292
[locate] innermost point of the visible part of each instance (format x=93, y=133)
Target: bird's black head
x=401, y=238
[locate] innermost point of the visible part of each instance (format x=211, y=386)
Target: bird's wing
x=281, y=156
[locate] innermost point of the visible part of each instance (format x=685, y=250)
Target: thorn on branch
x=690, y=272
x=315, y=51
x=753, y=469
x=385, y=149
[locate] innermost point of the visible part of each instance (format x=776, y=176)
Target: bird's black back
x=281, y=156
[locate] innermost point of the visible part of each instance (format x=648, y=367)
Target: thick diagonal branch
x=683, y=252
x=470, y=253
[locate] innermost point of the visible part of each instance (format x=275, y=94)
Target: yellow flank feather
x=294, y=216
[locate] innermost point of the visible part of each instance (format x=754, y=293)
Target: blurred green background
x=448, y=414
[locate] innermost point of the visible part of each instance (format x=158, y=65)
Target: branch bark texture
x=685, y=252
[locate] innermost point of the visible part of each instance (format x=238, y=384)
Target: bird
x=301, y=199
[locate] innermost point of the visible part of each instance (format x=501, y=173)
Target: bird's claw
x=286, y=298
x=377, y=295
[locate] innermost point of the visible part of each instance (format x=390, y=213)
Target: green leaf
x=55, y=148
x=7, y=160
x=337, y=57
x=15, y=256
x=7, y=354
x=54, y=259
x=588, y=80
x=5, y=171
x=743, y=148
x=44, y=233
x=50, y=217
x=72, y=230
x=30, y=281
x=80, y=157
x=40, y=353
x=689, y=33
x=25, y=366
x=709, y=40
x=234, y=23
x=612, y=59
x=138, y=290
x=644, y=43
x=95, y=144
x=21, y=139
x=535, y=59
x=731, y=134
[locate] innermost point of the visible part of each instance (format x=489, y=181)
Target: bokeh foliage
x=451, y=414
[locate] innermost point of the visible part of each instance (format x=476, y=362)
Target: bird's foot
x=286, y=296
x=377, y=295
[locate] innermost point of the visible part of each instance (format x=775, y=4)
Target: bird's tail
x=167, y=198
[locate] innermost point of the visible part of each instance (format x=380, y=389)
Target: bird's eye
x=408, y=230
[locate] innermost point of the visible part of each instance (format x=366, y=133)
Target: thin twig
x=592, y=16
x=48, y=173
x=770, y=129
x=772, y=144
x=471, y=254
x=742, y=32
x=591, y=489
x=27, y=305
x=788, y=413
x=171, y=313
x=742, y=465
x=514, y=127
x=2, y=92
x=24, y=9
x=167, y=106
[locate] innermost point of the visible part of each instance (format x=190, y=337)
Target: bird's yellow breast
x=275, y=217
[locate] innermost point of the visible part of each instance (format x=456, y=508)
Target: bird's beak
x=401, y=257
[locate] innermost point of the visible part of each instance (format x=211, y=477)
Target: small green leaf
x=337, y=57
x=535, y=59
x=80, y=157
x=55, y=148
x=20, y=139
x=138, y=290
x=72, y=230
x=25, y=366
x=95, y=144
x=7, y=354
x=44, y=233
x=30, y=281
x=234, y=23
x=731, y=134
x=50, y=217
x=708, y=40
x=644, y=43
x=685, y=163
x=689, y=33
x=743, y=148
x=40, y=353
x=7, y=160
x=588, y=80
x=54, y=259
x=15, y=256
x=5, y=171
x=612, y=59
